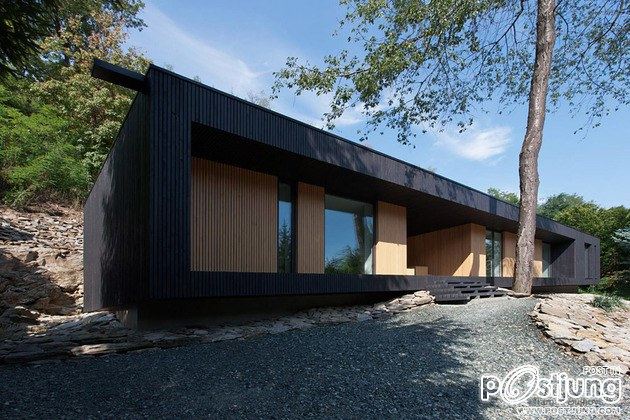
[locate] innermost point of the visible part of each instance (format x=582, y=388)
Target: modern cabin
x=205, y=195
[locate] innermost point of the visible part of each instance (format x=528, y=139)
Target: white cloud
x=228, y=71
x=475, y=143
x=215, y=66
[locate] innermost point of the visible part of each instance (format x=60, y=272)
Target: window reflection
x=546, y=259
x=349, y=236
x=493, y=254
x=285, y=227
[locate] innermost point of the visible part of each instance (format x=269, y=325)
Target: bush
x=37, y=157
x=55, y=174
x=617, y=283
x=607, y=302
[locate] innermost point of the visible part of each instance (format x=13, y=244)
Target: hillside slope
x=41, y=260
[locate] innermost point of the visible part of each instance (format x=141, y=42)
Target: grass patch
x=617, y=283
x=607, y=302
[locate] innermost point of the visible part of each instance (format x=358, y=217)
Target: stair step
x=452, y=298
x=466, y=282
x=468, y=286
x=461, y=290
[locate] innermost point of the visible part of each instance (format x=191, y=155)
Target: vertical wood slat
x=310, y=228
x=538, y=265
x=477, y=256
x=390, y=250
x=509, y=256
x=233, y=219
x=508, y=261
x=115, y=219
x=456, y=251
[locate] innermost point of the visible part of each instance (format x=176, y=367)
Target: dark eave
x=119, y=75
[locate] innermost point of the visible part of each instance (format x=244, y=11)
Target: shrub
x=37, y=157
x=607, y=302
x=56, y=174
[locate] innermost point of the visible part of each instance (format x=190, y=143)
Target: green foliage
x=26, y=24
x=37, y=156
x=349, y=261
x=621, y=238
x=419, y=65
x=284, y=249
x=507, y=196
x=559, y=202
x=59, y=123
x=602, y=223
x=607, y=302
x=23, y=23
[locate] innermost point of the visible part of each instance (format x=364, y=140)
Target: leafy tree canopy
x=559, y=202
x=64, y=112
x=507, y=196
x=26, y=23
x=418, y=65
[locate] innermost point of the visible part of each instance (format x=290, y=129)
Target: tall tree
x=419, y=66
x=58, y=123
x=507, y=196
x=26, y=23
x=94, y=108
x=528, y=158
x=23, y=24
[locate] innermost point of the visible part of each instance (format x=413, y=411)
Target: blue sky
x=235, y=46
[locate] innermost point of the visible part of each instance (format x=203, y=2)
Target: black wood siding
x=137, y=218
x=116, y=219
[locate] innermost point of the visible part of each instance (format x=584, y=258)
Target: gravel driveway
x=423, y=363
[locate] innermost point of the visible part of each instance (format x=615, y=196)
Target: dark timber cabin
x=206, y=197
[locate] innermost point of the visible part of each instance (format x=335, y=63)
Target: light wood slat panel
x=310, y=228
x=538, y=265
x=390, y=251
x=509, y=255
x=508, y=261
x=476, y=260
x=234, y=218
x=456, y=251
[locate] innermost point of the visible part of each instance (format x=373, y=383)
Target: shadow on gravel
x=386, y=368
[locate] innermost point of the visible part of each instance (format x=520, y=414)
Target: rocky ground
x=41, y=298
x=41, y=263
x=100, y=333
x=601, y=338
x=422, y=363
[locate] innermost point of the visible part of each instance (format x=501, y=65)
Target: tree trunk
x=528, y=158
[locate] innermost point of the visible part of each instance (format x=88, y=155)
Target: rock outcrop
x=41, y=260
x=601, y=338
x=100, y=333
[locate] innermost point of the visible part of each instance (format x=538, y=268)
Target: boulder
x=20, y=314
x=583, y=346
x=31, y=256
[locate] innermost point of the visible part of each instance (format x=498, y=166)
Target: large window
x=493, y=253
x=285, y=228
x=546, y=259
x=348, y=236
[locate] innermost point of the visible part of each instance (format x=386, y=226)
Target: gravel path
x=423, y=363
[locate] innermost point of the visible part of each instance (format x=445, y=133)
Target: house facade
x=205, y=195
